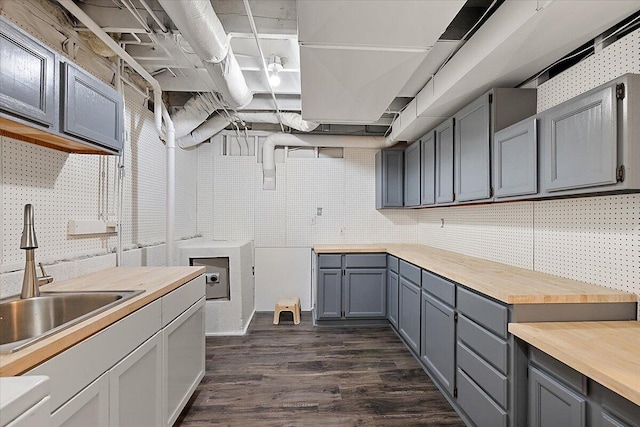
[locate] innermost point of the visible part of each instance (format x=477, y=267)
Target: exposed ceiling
x=352, y=62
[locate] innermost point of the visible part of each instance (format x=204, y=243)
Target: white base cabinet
x=90, y=407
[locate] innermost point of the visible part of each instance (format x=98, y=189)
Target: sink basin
x=25, y=321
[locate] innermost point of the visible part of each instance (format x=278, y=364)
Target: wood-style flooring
x=298, y=375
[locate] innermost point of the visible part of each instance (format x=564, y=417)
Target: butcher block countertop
x=606, y=352
x=154, y=281
x=511, y=285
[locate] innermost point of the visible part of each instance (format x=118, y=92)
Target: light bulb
x=274, y=78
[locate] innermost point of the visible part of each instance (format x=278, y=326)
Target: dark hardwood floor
x=298, y=375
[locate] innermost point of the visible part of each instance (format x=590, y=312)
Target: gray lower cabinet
x=438, y=344
x=552, y=404
x=515, y=160
x=91, y=110
x=409, y=314
x=428, y=169
x=28, y=84
x=356, y=290
x=392, y=297
x=389, y=179
x=412, y=175
x=444, y=162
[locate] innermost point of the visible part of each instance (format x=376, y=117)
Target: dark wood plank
x=298, y=375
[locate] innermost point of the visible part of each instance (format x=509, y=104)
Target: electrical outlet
x=318, y=211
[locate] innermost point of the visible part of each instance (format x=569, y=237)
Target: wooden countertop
x=606, y=352
x=154, y=281
x=511, y=285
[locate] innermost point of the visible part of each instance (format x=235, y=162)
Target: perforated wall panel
x=271, y=210
x=204, y=196
x=233, y=197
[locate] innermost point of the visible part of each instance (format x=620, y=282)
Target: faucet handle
x=42, y=269
x=44, y=279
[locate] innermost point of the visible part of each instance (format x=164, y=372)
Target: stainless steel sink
x=26, y=321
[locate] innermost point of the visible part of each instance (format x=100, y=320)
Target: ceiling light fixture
x=274, y=67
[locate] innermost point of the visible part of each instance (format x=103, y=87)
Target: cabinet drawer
x=365, y=261
x=329, y=261
x=489, y=314
x=392, y=263
x=491, y=348
x=439, y=287
x=180, y=299
x=410, y=272
x=487, y=377
x=478, y=405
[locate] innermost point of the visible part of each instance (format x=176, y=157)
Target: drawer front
x=365, y=261
x=410, y=272
x=440, y=288
x=392, y=263
x=489, y=314
x=180, y=299
x=485, y=375
x=491, y=348
x=478, y=405
x=329, y=261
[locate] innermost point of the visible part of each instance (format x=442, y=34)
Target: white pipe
x=304, y=140
x=203, y=132
x=171, y=185
x=201, y=28
x=292, y=120
x=194, y=113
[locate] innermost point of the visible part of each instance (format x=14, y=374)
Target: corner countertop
x=511, y=285
x=606, y=352
x=154, y=281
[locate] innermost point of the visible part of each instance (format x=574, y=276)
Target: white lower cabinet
x=37, y=415
x=135, y=387
x=90, y=407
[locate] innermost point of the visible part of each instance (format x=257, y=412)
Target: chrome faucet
x=31, y=283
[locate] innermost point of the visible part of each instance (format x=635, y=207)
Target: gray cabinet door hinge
x=620, y=91
x=455, y=317
x=455, y=392
x=620, y=173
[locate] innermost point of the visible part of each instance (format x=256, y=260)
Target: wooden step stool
x=291, y=304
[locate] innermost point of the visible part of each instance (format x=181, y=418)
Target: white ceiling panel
x=436, y=57
x=352, y=86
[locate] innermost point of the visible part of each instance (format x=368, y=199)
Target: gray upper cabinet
x=471, y=141
x=92, y=110
x=444, y=162
x=580, y=141
x=28, y=85
x=428, y=169
x=389, y=179
x=515, y=160
x=412, y=174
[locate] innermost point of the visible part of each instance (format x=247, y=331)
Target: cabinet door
x=135, y=387
x=552, y=404
x=438, y=340
x=515, y=160
x=392, y=298
x=329, y=293
x=90, y=407
x=27, y=77
x=91, y=109
x=580, y=142
x=184, y=353
x=392, y=178
x=428, y=169
x=365, y=293
x=444, y=162
x=409, y=314
x=412, y=175
x=472, y=145
x=38, y=415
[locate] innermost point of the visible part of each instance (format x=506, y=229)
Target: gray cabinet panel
x=392, y=263
x=439, y=287
x=580, y=142
x=489, y=314
x=393, y=284
x=412, y=174
x=515, y=160
x=92, y=110
x=409, y=314
x=491, y=348
x=365, y=260
x=329, y=261
x=428, y=169
x=472, y=145
x=27, y=78
x=479, y=407
x=410, y=272
x=552, y=404
x=438, y=340
x=489, y=379
x=444, y=162
x=389, y=179
x=609, y=420
x=329, y=294
x=365, y=293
